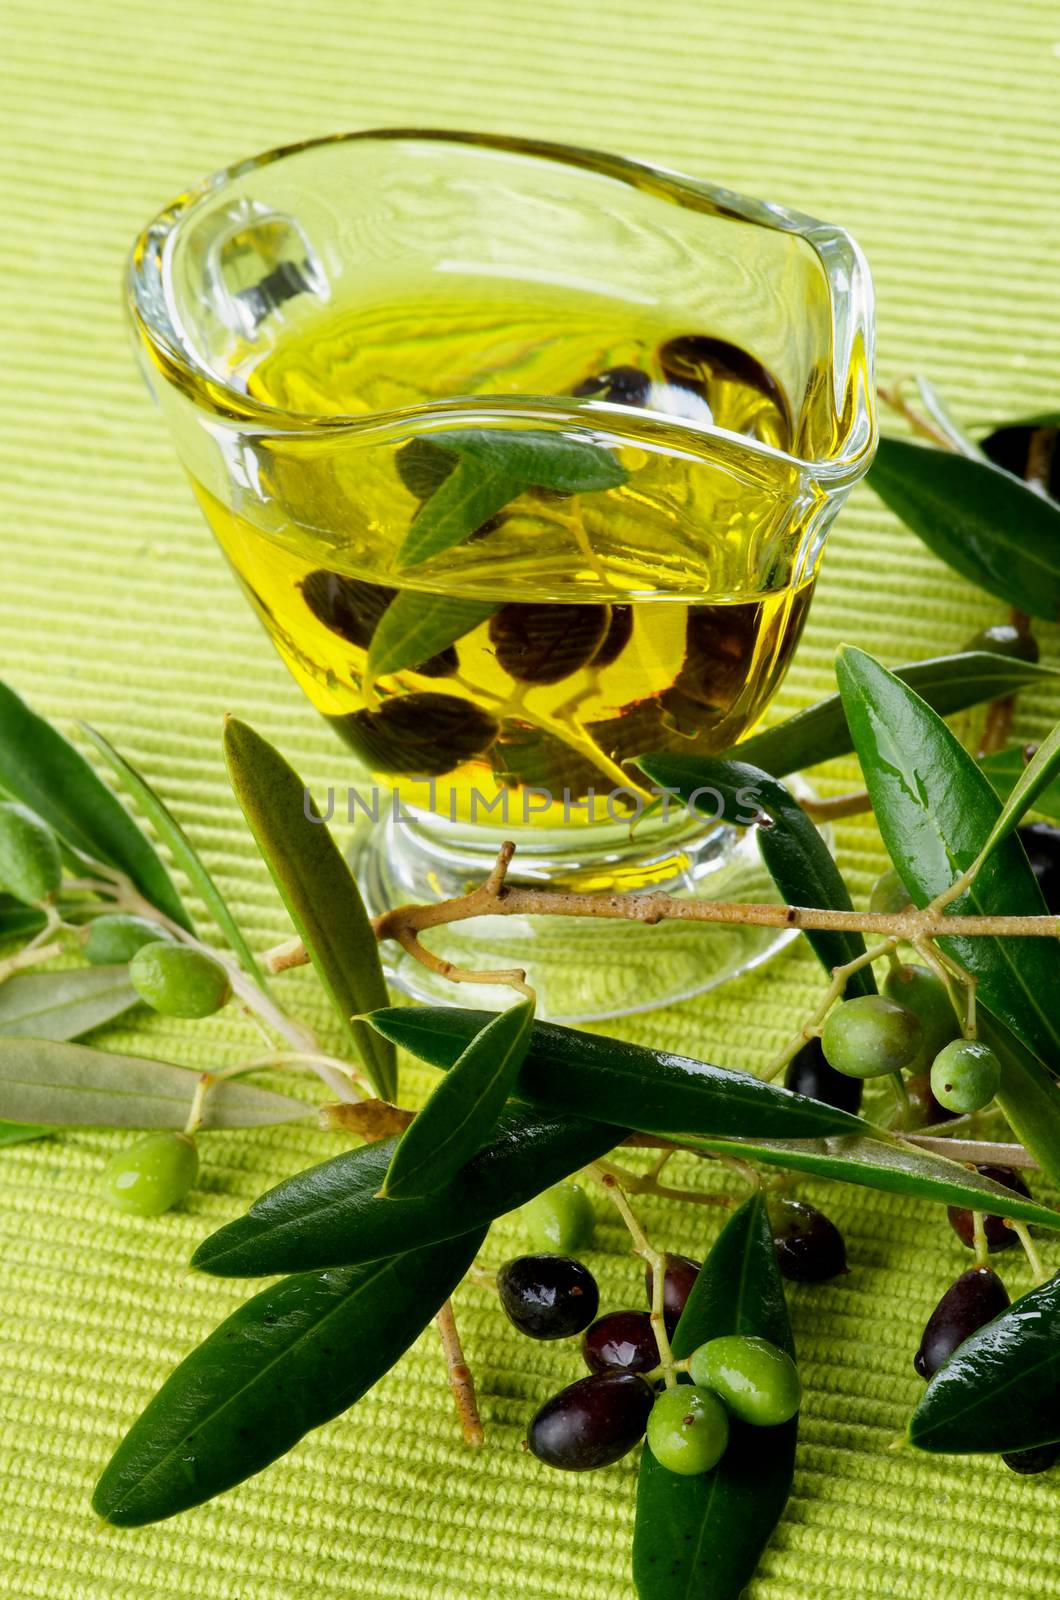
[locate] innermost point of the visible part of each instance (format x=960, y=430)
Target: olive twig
x=1022, y=1232
x=812, y=1027
x=461, y=1383
x=648, y=1183
x=839, y=806
x=974, y=1152
x=891, y=395
x=979, y=1239
x=654, y=1259
x=32, y=955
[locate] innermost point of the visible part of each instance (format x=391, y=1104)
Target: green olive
x=965, y=1076
x=889, y=894
x=920, y=991
x=113, y=939
x=688, y=1430
x=178, y=981
x=560, y=1219
x=31, y=866
x=869, y=1036
x=757, y=1380
x=152, y=1176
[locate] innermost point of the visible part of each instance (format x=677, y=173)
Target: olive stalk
x=654, y=1259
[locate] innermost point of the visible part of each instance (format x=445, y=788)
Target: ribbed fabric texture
x=930, y=132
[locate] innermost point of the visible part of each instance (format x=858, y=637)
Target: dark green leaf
x=1005, y=768
x=18, y=921
x=894, y=1168
x=43, y=770
x=935, y=810
x=416, y=626
x=1001, y=1388
x=333, y=1215
x=986, y=524
x=69, y=1085
x=796, y=857
x=1028, y=1095
x=293, y=1357
x=1028, y=788
x=316, y=886
x=63, y=1005
x=463, y=1110
x=20, y=1132
x=181, y=849
x=495, y=466
x=701, y=1538
x=946, y=683
x=651, y=1090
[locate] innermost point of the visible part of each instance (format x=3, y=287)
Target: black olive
x=622, y=386
x=977, y=1297
x=622, y=1341
x=1010, y=448
x=349, y=607
x=808, y=1245
x=1003, y=639
x=809, y=1073
x=696, y=360
x=1029, y=1462
x=1042, y=844
x=618, y=635
x=998, y=1235
x=422, y=735
x=548, y=1296
x=593, y=1422
x=545, y=644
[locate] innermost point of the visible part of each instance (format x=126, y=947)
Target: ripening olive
x=31, y=866
x=924, y=1110
x=870, y=1036
x=1004, y=639
x=153, y=1175
x=179, y=981
x=977, y=1297
x=998, y=1235
x=809, y=1247
x=591, y=1423
x=688, y=1430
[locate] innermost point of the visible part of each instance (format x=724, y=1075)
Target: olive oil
x=566, y=632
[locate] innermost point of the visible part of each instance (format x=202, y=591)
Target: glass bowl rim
x=843, y=263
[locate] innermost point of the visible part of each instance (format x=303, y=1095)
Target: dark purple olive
x=1028, y=1462
x=1042, y=844
x=924, y=1109
x=696, y=361
x=623, y=1341
x=349, y=607
x=420, y=734
x=1011, y=448
x=681, y=1274
x=622, y=386
x=809, y=1246
x=1005, y=639
x=548, y=1297
x=977, y=1297
x=616, y=638
x=545, y=644
x=592, y=1422
x=809, y=1073
x=998, y=1235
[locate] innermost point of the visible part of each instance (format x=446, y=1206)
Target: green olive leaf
x=416, y=626
x=181, y=849
x=653, y=1091
x=703, y=1536
x=18, y=921
x=1027, y=1097
x=463, y=1109
x=295, y=1356
x=496, y=465
x=796, y=857
x=333, y=1215
x=947, y=684
x=317, y=888
x=1000, y=1390
x=936, y=810
x=982, y=521
x=57, y=1084
x=1032, y=782
x=20, y=1132
x=63, y=1005
x=892, y=1167
x=43, y=770
x=1004, y=768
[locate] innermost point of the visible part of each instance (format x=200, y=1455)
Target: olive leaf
x=703, y=1536
x=947, y=684
x=653, y=1091
x=936, y=811
x=1004, y=768
x=796, y=857
x=414, y=627
x=1000, y=1390
x=494, y=466
x=982, y=521
x=18, y=921
x=69, y=1085
x=317, y=888
x=464, y=1107
x=21, y=1132
x=62, y=1005
x=295, y=1356
x=43, y=770
x=333, y=1215
x=893, y=1167
x=181, y=849
x=1035, y=778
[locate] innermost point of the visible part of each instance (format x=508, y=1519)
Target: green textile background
x=930, y=131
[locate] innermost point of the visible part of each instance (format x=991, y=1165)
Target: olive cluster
x=598, y=1419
